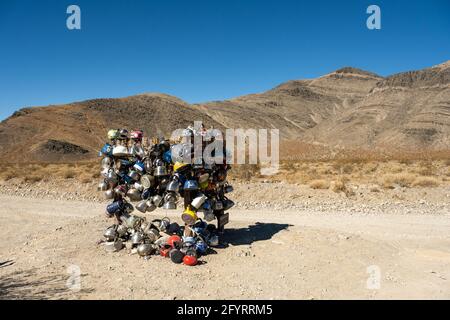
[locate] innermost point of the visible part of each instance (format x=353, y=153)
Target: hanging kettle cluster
x=151, y=177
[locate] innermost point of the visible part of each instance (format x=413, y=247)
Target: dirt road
x=300, y=254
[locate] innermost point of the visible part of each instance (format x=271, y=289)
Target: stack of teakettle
x=156, y=176
x=182, y=244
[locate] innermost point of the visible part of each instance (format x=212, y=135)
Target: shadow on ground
x=256, y=232
x=30, y=285
x=7, y=263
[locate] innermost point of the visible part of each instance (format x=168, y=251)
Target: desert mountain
x=408, y=110
x=348, y=108
x=76, y=131
x=295, y=107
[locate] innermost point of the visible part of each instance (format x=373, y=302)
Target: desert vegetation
x=378, y=171
x=322, y=167
x=85, y=172
x=336, y=174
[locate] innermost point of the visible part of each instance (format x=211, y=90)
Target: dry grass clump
x=92, y=165
x=424, y=171
x=319, y=184
x=325, y=171
x=68, y=174
x=396, y=168
x=338, y=186
x=344, y=166
x=370, y=168
x=245, y=172
x=7, y=175
x=86, y=178
x=347, y=168
x=406, y=161
x=425, y=182
x=95, y=175
x=341, y=186
x=401, y=179
x=33, y=178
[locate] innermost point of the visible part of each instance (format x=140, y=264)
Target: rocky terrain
x=76, y=131
x=346, y=108
x=406, y=110
x=271, y=196
x=297, y=253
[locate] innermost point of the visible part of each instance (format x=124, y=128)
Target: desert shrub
x=425, y=168
x=319, y=184
x=305, y=166
x=245, y=172
x=424, y=171
x=325, y=171
x=85, y=178
x=34, y=167
x=337, y=166
x=370, y=168
x=401, y=179
x=68, y=174
x=425, y=182
x=8, y=176
x=33, y=178
x=348, y=168
x=38, y=171
x=406, y=161
x=338, y=186
x=395, y=168
x=344, y=167
x=92, y=165
x=95, y=175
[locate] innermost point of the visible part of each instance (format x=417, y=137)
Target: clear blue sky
x=202, y=50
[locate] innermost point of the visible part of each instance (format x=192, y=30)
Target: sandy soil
x=280, y=254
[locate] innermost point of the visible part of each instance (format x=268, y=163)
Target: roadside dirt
x=272, y=254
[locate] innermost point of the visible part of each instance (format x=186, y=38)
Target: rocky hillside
x=76, y=131
x=351, y=108
x=408, y=110
x=295, y=107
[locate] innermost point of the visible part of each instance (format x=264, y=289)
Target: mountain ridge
x=349, y=108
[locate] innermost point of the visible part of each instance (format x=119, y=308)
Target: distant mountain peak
x=352, y=70
x=162, y=96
